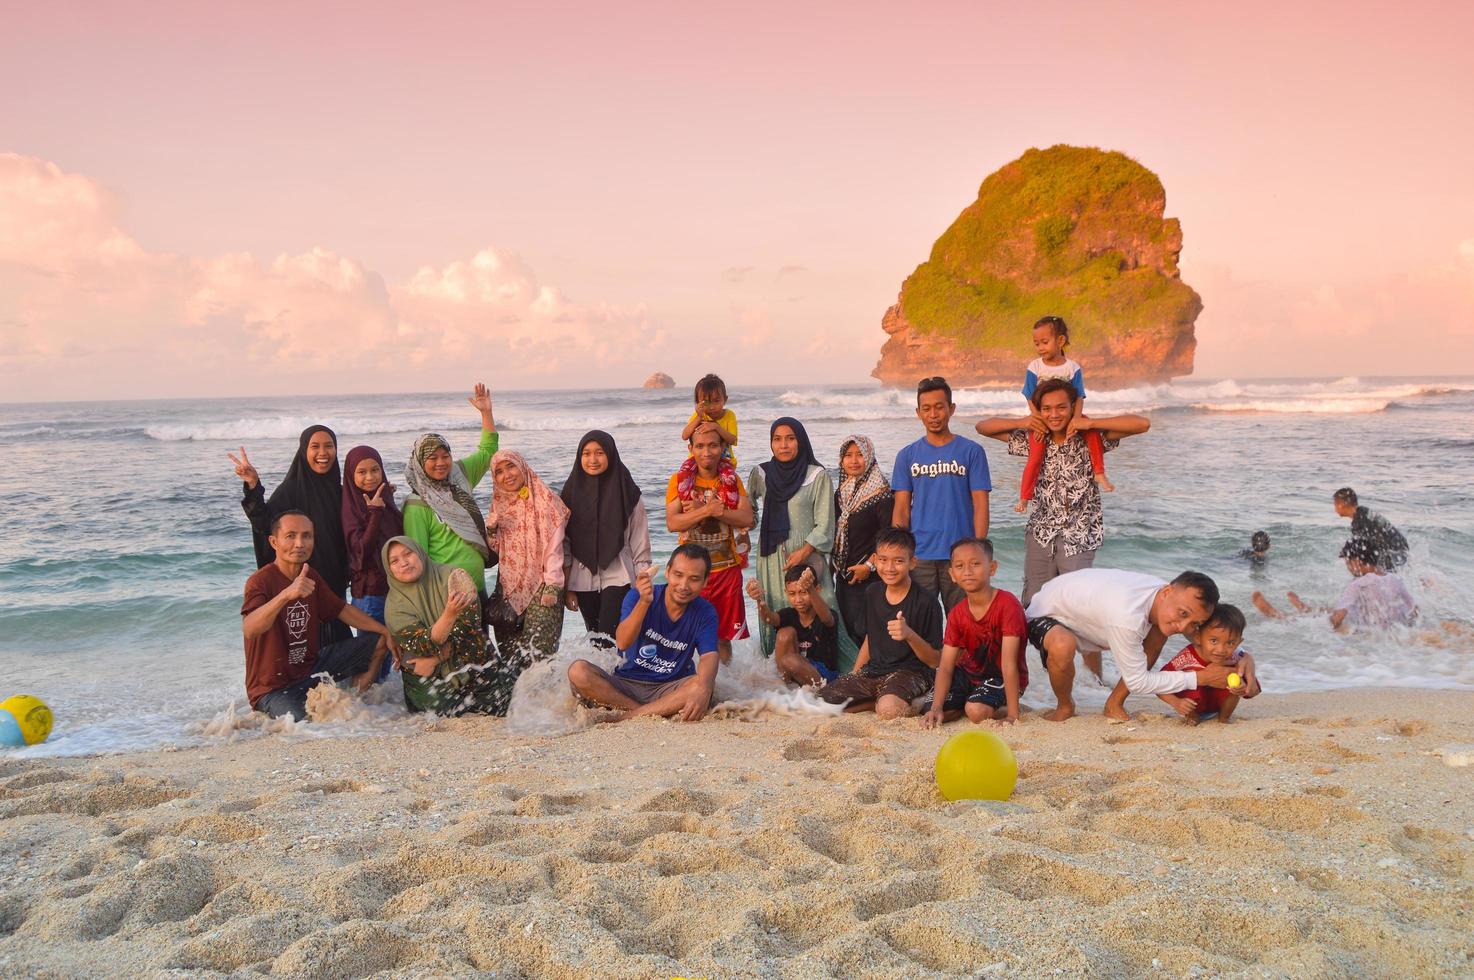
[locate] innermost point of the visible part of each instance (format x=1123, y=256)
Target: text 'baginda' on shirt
x=941, y=481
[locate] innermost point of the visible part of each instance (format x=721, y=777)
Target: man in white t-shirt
x=1127, y=613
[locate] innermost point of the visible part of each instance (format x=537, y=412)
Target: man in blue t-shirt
x=667, y=636
x=941, y=484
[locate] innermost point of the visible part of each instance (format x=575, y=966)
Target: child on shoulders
x=806, y=651
x=1051, y=337
x=711, y=407
x=1215, y=642
x=982, y=671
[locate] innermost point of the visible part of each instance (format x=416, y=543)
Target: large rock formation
x=1070, y=231
x=660, y=380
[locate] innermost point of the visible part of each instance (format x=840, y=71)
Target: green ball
x=32, y=717
x=976, y=765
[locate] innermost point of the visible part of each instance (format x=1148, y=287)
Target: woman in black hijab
x=313, y=485
x=607, y=541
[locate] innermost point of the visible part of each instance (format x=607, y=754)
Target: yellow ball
x=976, y=765
x=1234, y=680
x=31, y=716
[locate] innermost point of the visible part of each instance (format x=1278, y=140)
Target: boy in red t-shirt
x=982, y=672
x=1216, y=642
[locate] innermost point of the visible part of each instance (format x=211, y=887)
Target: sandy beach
x=1318, y=835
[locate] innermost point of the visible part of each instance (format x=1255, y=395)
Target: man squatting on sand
x=1129, y=614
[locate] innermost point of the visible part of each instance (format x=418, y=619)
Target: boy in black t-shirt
x=903, y=634
x=805, y=651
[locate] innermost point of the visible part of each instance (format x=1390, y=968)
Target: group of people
x=876, y=591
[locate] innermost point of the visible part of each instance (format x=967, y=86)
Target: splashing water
x=747, y=686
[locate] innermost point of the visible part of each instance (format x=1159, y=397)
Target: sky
x=274, y=198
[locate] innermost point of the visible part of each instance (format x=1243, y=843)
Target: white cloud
x=74, y=285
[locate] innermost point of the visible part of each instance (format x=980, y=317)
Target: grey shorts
x=640, y=692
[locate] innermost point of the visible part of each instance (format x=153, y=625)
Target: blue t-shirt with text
x=941, y=480
x=665, y=650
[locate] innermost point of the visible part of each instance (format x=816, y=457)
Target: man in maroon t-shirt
x=285, y=604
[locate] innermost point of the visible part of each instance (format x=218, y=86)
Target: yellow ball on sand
x=976, y=765
x=31, y=718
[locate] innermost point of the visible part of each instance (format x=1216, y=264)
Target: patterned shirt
x=1066, y=498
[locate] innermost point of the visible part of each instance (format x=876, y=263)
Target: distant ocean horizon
x=123, y=548
x=685, y=384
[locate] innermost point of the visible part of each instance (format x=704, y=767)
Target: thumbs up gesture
x=301, y=586
x=898, y=628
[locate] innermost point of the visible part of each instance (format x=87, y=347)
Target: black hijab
x=320, y=497
x=782, y=481
x=599, y=506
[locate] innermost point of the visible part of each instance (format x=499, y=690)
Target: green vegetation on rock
x=1071, y=231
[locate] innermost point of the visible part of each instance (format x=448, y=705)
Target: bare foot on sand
x=1062, y=713
x=1115, y=712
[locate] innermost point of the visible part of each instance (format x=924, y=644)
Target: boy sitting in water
x=806, y=651
x=982, y=671
x=1374, y=598
x=711, y=406
x=903, y=630
x=1215, y=642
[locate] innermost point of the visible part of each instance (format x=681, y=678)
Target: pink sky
x=262, y=198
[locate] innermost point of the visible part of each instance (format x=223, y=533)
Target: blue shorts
x=371, y=605
x=827, y=673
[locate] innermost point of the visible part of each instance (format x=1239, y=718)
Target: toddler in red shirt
x=1215, y=642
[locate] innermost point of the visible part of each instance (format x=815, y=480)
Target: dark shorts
x=969, y=690
x=340, y=661
x=1037, y=629
x=904, y=684
x=640, y=692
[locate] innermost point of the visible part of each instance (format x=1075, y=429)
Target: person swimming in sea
x=1257, y=554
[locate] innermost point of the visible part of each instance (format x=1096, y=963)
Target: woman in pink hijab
x=525, y=528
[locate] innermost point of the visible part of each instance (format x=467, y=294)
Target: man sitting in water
x=285, y=604
x=1372, y=528
x=1129, y=614
x=667, y=636
x=1373, y=599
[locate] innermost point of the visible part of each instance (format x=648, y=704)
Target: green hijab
x=419, y=602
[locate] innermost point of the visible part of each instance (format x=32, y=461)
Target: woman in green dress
x=796, y=499
x=440, y=512
x=435, y=615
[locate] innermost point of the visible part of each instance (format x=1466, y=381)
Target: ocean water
x=123, y=548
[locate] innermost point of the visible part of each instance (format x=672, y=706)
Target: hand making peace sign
x=244, y=470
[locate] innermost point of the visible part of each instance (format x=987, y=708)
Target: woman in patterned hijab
x=862, y=506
